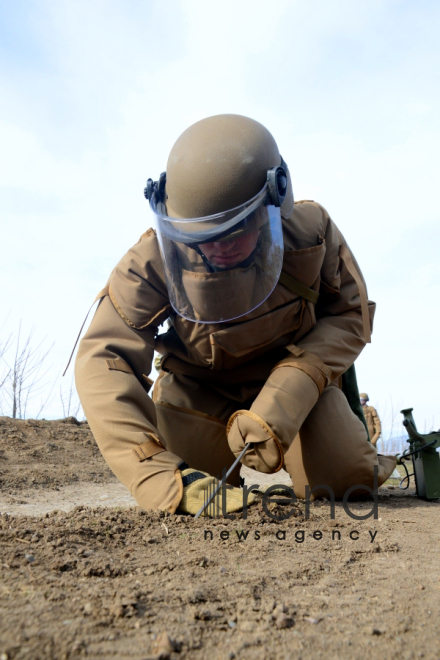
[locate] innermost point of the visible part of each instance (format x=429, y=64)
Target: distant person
x=372, y=419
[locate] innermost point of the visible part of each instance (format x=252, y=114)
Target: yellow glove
x=199, y=486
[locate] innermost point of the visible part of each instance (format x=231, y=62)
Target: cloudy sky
x=94, y=94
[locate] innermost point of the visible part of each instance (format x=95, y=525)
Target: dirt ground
x=84, y=573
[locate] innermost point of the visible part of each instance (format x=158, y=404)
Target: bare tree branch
x=69, y=401
x=25, y=375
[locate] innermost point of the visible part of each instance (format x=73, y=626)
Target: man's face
x=363, y=402
x=229, y=253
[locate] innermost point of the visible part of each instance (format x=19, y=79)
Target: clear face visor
x=221, y=267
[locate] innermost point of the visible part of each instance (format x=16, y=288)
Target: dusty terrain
x=85, y=574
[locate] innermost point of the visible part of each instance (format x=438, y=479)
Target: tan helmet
x=218, y=164
x=364, y=396
x=218, y=215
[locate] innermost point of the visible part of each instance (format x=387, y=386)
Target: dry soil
x=84, y=573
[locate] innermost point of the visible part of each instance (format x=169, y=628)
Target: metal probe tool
x=223, y=481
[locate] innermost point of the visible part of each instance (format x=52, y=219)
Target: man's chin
x=226, y=263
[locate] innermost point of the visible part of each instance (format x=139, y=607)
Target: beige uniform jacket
x=236, y=358
x=373, y=423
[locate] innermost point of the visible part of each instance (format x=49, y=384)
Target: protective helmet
x=218, y=214
x=364, y=396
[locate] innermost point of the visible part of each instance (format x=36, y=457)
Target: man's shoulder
x=148, y=236
x=309, y=220
x=313, y=211
x=144, y=257
x=137, y=285
x=307, y=201
x=147, y=242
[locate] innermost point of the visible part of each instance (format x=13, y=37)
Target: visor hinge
x=149, y=189
x=156, y=188
x=277, y=184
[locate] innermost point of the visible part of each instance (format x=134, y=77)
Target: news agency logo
x=216, y=506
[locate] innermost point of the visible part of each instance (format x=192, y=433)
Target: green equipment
x=425, y=459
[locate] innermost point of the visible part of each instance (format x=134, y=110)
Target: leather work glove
x=274, y=419
x=197, y=488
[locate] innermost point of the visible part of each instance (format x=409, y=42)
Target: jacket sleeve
x=343, y=326
x=376, y=425
x=112, y=367
x=344, y=315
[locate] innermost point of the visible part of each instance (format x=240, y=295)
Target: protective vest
x=233, y=353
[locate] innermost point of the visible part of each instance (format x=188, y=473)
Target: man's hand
x=199, y=486
x=266, y=454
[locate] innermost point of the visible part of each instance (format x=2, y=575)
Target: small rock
x=203, y=615
x=51, y=446
x=311, y=619
x=376, y=631
x=30, y=558
x=149, y=539
x=269, y=606
x=117, y=610
x=87, y=608
x=163, y=645
x=232, y=624
x=197, y=597
x=283, y=621
x=247, y=626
